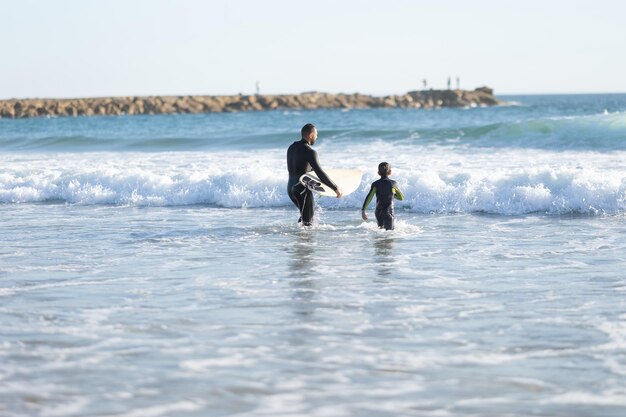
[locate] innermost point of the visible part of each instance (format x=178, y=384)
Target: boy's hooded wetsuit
x=301, y=158
x=385, y=190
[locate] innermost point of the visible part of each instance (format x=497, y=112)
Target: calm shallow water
x=195, y=311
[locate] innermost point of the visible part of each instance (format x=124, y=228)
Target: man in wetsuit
x=301, y=158
x=385, y=189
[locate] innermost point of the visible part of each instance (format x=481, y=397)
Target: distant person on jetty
x=449, y=82
x=385, y=190
x=302, y=158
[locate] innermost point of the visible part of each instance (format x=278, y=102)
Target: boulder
x=7, y=111
x=166, y=108
x=71, y=111
x=485, y=90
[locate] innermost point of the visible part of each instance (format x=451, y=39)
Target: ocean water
x=153, y=265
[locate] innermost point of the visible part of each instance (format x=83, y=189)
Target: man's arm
x=315, y=164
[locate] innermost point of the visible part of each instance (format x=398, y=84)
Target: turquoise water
x=153, y=266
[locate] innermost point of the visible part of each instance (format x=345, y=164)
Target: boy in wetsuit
x=385, y=190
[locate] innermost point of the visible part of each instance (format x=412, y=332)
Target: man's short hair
x=383, y=169
x=307, y=129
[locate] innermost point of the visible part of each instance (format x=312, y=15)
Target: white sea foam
x=70, y=408
x=184, y=406
x=613, y=399
x=453, y=183
x=5, y=291
x=616, y=331
x=203, y=365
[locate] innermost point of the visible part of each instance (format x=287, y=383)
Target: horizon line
x=534, y=93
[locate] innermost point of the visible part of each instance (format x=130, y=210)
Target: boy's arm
x=398, y=194
x=367, y=202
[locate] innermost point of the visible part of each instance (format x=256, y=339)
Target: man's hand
x=339, y=193
x=363, y=215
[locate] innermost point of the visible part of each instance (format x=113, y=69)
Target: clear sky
x=81, y=48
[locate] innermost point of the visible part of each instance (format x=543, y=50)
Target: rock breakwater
x=21, y=108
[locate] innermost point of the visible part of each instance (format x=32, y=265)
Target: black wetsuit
x=301, y=158
x=385, y=190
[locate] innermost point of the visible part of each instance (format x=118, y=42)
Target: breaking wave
x=553, y=190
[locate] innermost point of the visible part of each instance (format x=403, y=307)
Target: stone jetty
x=426, y=99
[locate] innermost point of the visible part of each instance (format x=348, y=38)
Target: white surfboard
x=346, y=179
